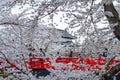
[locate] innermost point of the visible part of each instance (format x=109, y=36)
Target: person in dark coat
x=41, y=50
x=30, y=54
x=71, y=54
x=105, y=52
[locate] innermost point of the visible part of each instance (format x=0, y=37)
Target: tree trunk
x=114, y=22
x=108, y=75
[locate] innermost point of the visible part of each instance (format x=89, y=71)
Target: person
x=105, y=52
x=79, y=55
x=30, y=54
x=41, y=50
x=58, y=55
x=71, y=54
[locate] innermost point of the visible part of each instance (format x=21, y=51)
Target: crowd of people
x=70, y=53
x=40, y=54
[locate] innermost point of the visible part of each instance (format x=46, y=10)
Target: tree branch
x=13, y=64
x=9, y=23
x=113, y=20
x=114, y=70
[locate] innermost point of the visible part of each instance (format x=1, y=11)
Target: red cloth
x=101, y=61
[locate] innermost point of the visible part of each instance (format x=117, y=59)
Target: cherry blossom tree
x=84, y=16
